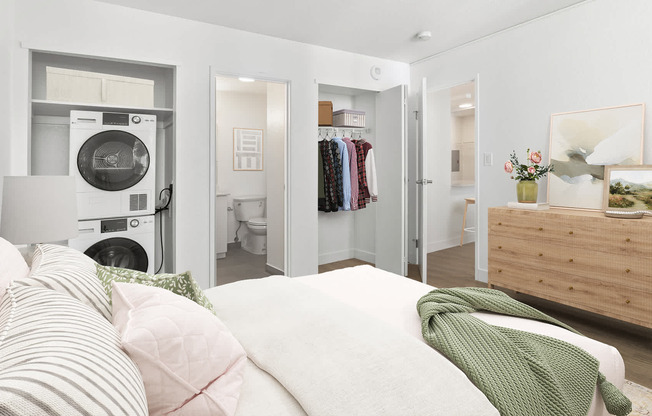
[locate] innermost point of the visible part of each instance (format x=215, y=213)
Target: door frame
x=212, y=180
x=477, y=159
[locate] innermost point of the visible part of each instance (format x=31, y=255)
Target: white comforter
x=353, y=346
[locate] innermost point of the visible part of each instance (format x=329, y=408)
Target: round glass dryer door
x=119, y=252
x=113, y=160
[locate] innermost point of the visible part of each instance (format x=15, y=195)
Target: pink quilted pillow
x=12, y=265
x=190, y=362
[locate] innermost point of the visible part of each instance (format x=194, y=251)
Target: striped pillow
x=68, y=271
x=58, y=357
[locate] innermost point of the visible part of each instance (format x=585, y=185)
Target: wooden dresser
x=579, y=258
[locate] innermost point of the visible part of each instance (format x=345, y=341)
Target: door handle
x=424, y=181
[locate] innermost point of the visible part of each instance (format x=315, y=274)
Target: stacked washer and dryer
x=113, y=156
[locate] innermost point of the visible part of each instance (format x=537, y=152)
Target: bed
x=307, y=353
x=123, y=342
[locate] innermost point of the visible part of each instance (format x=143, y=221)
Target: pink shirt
x=353, y=166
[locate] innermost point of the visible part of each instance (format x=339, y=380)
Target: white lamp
x=38, y=209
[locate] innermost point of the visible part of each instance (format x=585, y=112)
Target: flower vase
x=527, y=191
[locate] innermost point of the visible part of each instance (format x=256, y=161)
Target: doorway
x=249, y=141
x=451, y=161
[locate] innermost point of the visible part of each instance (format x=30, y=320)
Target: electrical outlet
x=488, y=159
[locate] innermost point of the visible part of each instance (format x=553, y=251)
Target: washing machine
x=112, y=157
x=127, y=242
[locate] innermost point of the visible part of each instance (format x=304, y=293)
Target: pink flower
x=535, y=157
x=531, y=170
x=509, y=168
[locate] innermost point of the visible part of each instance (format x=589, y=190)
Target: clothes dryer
x=127, y=242
x=112, y=156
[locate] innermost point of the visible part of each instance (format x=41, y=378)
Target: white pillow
x=12, y=265
x=68, y=271
x=58, y=357
x=190, y=362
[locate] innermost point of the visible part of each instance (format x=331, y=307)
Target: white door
x=422, y=184
x=390, y=154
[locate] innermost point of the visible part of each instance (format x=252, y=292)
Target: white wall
x=98, y=29
x=239, y=110
x=589, y=56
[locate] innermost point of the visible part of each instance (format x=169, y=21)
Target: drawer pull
x=540, y=280
x=570, y=260
x=570, y=287
x=500, y=270
x=570, y=232
x=627, y=301
x=627, y=270
x=500, y=247
x=628, y=240
x=540, y=228
x=500, y=223
x=540, y=254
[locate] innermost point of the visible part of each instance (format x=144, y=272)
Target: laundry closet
x=109, y=124
x=375, y=233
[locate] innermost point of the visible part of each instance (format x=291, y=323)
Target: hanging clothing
x=346, y=174
x=330, y=197
x=372, y=180
x=321, y=196
x=363, y=193
x=353, y=165
x=337, y=165
x=370, y=168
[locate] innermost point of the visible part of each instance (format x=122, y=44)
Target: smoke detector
x=424, y=35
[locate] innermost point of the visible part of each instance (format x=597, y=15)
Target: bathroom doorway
x=250, y=136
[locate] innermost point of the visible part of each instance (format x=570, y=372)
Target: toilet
x=250, y=209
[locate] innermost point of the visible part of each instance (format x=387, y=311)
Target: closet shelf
x=62, y=109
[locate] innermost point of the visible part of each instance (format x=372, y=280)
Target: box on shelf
x=325, y=113
x=348, y=118
x=71, y=85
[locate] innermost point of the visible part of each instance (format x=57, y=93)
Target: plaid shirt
x=363, y=192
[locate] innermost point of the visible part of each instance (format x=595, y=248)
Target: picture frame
x=582, y=143
x=247, y=149
x=627, y=188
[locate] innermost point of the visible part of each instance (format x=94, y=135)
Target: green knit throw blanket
x=522, y=374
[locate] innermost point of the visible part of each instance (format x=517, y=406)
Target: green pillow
x=182, y=284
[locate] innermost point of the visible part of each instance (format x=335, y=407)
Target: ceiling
x=380, y=28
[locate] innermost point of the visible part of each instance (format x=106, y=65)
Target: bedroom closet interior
x=374, y=232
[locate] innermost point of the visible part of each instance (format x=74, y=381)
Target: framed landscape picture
x=628, y=188
x=582, y=143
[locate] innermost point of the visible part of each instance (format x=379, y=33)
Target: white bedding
x=383, y=297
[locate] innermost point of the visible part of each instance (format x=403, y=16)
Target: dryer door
x=113, y=160
x=119, y=252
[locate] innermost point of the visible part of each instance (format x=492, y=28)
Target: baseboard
x=451, y=242
x=365, y=256
x=481, y=275
x=273, y=270
x=334, y=256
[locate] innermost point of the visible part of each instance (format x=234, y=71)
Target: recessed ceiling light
x=424, y=35
x=245, y=79
x=465, y=105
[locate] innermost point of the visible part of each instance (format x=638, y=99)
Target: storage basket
x=348, y=118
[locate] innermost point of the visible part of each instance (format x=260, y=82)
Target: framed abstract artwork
x=247, y=149
x=628, y=188
x=582, y=143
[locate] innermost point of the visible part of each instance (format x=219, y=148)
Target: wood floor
x=455, y=267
